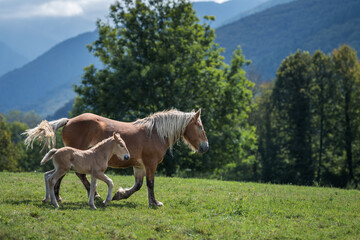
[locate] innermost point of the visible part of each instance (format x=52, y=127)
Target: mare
x=93, y=161
x=147, y=140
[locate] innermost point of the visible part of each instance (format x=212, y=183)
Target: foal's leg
x=150, y=178
x=51, y=183
x=139, y=174
x=84, y=181
x=47, y=191
x=86, y=184
x=57, y=189
x=92, y=192
x=109, y=182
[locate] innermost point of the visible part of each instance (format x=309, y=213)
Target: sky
x=22, y=9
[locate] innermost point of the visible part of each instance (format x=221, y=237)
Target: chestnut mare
x=146, y=139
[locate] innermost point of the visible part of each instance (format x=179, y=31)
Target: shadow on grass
x=73, y=205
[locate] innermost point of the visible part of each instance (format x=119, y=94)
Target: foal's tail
x=45, y=132
x=48, y=156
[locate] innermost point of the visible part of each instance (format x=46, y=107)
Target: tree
x=157, y=56
x=292, y=100
x=8, y=152
x=347, y=70
x=324, y=110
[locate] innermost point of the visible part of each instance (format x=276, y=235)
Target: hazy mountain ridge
x=45, y=84
x=259, y=8
x=225, y=11
x=10, y=59
x=269, y=36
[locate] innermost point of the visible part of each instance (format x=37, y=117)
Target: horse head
x=195, y=136
x=120, y=148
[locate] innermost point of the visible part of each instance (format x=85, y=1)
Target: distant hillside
x=259, y=8
x=269, y=36
x=224, y=11
x=45, y=84
x=9, y=59
x=32, y=37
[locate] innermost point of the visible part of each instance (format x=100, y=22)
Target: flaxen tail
x=48, y=156
x=45, y=132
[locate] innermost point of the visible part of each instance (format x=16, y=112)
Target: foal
x=93, y=161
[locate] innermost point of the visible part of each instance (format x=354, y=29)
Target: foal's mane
x=102, y=143
x=169, y=124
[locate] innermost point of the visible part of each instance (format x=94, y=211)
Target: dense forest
x=302, y=128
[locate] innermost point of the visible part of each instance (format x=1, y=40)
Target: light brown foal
x=93, y=161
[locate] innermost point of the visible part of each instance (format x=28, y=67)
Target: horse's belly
x=117, y=163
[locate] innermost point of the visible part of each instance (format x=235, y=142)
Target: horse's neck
x=107, y=148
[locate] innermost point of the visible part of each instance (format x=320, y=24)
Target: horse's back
x=83, y=131
x=88, y=129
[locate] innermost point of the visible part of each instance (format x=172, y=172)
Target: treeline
x=14, y=156
x=308, y=120
x=302, y=128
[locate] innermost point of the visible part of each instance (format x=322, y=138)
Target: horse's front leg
x=86, y=184
x=139, y=174
x=150, y=179
x=108, y=181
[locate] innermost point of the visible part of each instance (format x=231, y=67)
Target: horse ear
x=117, y=136
x=197, y=114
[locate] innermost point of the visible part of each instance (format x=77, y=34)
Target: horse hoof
x=45, y=200
x=156, y=204
x=97, y=196
x=55, y=205
x=59, y=199
x=119, y=195
x=93, y=207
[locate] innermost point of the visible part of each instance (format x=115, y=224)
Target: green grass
x=193, y=209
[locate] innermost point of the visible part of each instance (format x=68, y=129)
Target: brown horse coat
x=146, y=139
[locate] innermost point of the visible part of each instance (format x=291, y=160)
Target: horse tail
x=45, y=131
x=48, y=156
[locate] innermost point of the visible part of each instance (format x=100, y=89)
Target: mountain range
x=45, y=84
x=10, y=59
x=269, y=36
x=267, y=31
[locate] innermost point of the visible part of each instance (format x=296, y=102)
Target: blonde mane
x=168, y=124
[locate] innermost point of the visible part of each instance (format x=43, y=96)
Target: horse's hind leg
x=139, y=174
x=47, y=191
x=57, y=189
x=51, y=183
x=92, y=192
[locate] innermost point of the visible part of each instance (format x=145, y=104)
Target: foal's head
x=120, y=148
x=194, y=134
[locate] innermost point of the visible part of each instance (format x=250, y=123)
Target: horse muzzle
x=203, y=147
x=126, y=157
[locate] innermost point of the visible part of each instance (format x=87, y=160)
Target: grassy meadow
x=193, y=209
